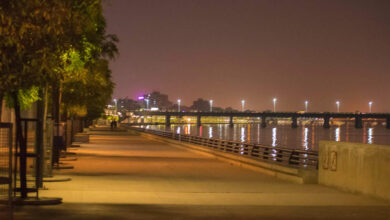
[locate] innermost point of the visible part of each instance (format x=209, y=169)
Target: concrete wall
x=355, y=167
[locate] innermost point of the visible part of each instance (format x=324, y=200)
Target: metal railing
x=282, y=156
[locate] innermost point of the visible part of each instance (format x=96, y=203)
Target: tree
x=89, y=95
x=34, y=36
x=31, y=32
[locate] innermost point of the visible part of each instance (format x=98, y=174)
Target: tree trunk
x=22, y=147
x=45, y=106
x=39, y=138
x=57, y=140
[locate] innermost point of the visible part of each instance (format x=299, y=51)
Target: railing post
x=290, y=160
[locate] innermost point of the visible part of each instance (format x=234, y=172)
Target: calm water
x=305, y=137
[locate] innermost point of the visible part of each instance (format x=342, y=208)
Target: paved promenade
x=119, y=176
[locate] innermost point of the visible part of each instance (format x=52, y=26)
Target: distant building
x=201, y=105
x=156, y=100
x=127, y=104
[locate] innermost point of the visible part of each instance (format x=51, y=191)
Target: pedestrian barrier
x=282, y=156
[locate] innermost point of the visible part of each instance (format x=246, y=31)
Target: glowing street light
x=178, y=105
x=338, y=106
x=116, y=106
x=370, y=105
x=274, y=100
x=211, y=105
x=242, y=105
x=306, y=104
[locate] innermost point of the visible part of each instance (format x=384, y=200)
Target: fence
x=5, y=170
x=282, y=156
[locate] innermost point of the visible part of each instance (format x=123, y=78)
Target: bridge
x=326, y=116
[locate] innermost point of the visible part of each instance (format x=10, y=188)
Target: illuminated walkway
x=130, y=177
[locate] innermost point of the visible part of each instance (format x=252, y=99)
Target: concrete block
x=355, y=167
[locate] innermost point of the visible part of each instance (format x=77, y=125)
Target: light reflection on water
x=370, y=135
x=210, y=132
x=242, y=134
x=274, y=137
x=305, y=137
x=337, y=134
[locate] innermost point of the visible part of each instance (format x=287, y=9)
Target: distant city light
x=211, y=105
x=140, y=98
x=242, y=105
x=178, y=105
x=338, y=106
x=154, y=109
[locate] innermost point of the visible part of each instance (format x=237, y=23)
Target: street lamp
x=274, y=100
x=338, y=106
x=242, y=105
x=370, y=105
x=178, y=105
x=211, y=105
x=306, y=104
x=116, y=106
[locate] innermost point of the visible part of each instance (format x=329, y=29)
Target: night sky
x=320, y=51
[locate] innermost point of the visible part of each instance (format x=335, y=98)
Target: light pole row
x=274, y=102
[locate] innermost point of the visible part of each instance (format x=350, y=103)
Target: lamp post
x=306, y=104
x=274, y=100
x=338, y=106
x=242, y=105
x=370, y=105
x=116, y=106
x=178, y=105
x=211, y=105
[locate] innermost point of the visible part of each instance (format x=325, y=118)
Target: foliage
x=26, y=97
x=93, y=91
x=56, y=41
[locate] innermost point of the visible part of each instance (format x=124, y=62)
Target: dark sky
x=294, y=50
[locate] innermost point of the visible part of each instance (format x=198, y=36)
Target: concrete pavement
x=119, y=175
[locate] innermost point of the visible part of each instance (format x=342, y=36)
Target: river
x=305, y=137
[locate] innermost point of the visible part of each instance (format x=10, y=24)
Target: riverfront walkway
x=123, y=176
